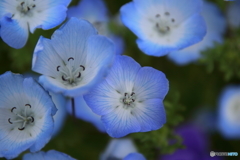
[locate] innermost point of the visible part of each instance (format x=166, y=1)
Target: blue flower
x=130, y=98
x=229, y=111
x=50, y=155
x=26, y=112
x=216, y=25
x=74, y=60
x=134, y=156
x=233, y=12
x=19, y=16
x=95, y=11
x=82, y=111
x=163, y=26
x=118, y=149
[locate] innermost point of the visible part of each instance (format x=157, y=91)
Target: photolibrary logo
x=212, y=153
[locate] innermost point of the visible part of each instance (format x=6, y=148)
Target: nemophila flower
x=232, y=14
x=95, y=11
x=17, y=17
x=83, y=112
x=229, y=111
x=216, y=26
x=74, y=60
x=26, y=112
x=118, y=149
x=130, y=98
x=50, y=155
x=163, y=26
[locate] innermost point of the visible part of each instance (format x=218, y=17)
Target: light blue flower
x=163, y=26
x=95, y=11
x=118, y=149
x=74, y=60
x=229, y=111
x=134, y=156
x=17, y=17
x=50, y=155
x=26, y=112
x=130, y=99
x=216, y=26
x=82, y=111
x=233, y=12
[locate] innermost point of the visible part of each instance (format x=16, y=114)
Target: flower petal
x=14, y=32
x=150, y=84
x=134, y=156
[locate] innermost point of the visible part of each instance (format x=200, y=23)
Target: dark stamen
x=13, y=109
x=132, y=93
x=32, y=119
x=28, y=8
x=79, y=75
x=9, y=120
x=28, y=105
x=125, y=94
x=34, y=6
x=133, y=100
x=70, y=58
x=173, y=20
x=167, y=13
x=82, y=67
x=21, y=128
x=63, y=78
x=22, y=3
x=58, y=68
x=157, y=15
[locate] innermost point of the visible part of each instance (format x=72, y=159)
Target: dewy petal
x=150, y=114
x=71, y=39
x=150, y=84
x=45, y=58
x=120, y=122
x=84, y=112
x=50, y=155
x=91, y=10
x=13, y=32
x=134, y=156
x=123, y=73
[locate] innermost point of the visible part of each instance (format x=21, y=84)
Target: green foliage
x=224, y=57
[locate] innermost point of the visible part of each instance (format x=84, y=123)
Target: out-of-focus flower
x=164, y=26
x=118, y=149
x=130, y=99
x=229, y=112
x=82, y=111
x=195, y=142
x=74, y=60
x=50, y=155
x=17, y=17
x=26, y=115
x=95, y=11
x=216, y=26
x=134, y=156
x=233, y=12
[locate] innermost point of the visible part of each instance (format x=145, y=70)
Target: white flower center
x=26, y=7
x=70, y=75
x=163, y=23
x=233, y=110
x=22, y=118
x=128, y=100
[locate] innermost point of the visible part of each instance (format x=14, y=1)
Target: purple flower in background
x=74, y=60
x=229, y=112
x=130, y=99
x=164, y=26
x=50, y=155
x=17, y=17
x=195, y=142
x=216, y=26
x=26, y=112
x=95, y=11
x=82, y=111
